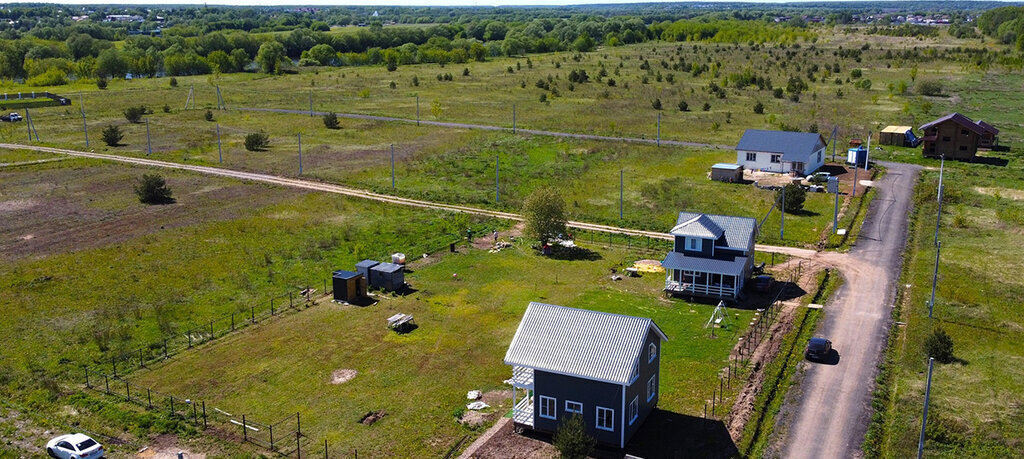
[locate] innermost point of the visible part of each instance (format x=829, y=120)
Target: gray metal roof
x=739, y=231
x=342, y=274
x=728, y=166
x=367, y=264
x=794, y=146
x=698, y=226
x=386, y=267
x=676, y=260
x=578, y=342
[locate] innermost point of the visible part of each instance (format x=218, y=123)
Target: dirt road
x=833, y=408
x=486, y=127
x=357, y=193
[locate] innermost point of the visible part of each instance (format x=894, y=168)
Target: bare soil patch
x=343, y=376
x=167, y=447
x=1008, y=193
x=506, y=444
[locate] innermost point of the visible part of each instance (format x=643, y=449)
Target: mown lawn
x=421, y=378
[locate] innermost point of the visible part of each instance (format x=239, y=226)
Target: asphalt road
x=568, y=135
x=834, y=406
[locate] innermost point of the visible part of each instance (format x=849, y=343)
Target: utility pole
x=659, y=129
x=924, y=417
x=621, y=188
x=497, y=171
x=855, y=169
x=220, y=156
x=149, y=144
x=867, y=157
x=935, y=279
x=835, y=211
x=942, y=168
x=782, y=215
x=300, y=152
x=85, y=126
x=392, y=167
x=938, y=218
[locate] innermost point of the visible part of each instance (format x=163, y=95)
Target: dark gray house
x=602, y=366
x=713, y=255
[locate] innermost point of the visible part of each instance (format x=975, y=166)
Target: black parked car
x=818, y=349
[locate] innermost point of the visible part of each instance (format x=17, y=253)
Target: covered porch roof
x=734, y=267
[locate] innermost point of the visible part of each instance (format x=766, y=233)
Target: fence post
x=211, y=330
x=271, y=306
x=170, y=399
x=252, y=314
x=271, y=437
x=204, y=414
x=325, y=448
x=291, y=303
x=149, y=398
x=165, y=348
x=127, y=391
x=298, y=447
x=298, y=424
x=106, y=382
x=232, y=321
x=87, y=378
x=142, y=359
x=245, y=434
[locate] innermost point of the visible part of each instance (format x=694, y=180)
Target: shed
x=363, y=267
x=725, y=172
x=900, y=136
x=857, y=157
x=349, y=286
x=387, y=276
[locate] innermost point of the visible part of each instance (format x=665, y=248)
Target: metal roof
x=988, y=127
x=585, y=344
x=897, y=129
x=676, y=260
x=699, y=226
x=739, y=231
x=367, y=264
x=342, y=274
x=794, y=146
x=387, y=267
x=958, y=119
x=729, y=166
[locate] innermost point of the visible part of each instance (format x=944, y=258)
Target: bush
x=331, y=121
x=795, y=196
x=112, y=135
x=939, y=345
x=174, y=82
x=415, y=80
x=152, y=189
x=167, y=108
x=465, y=71
x=777, y=93
x=571, y=438
x=208, y=115
x=706, y=107
x=683, y=106
x=134, y=114
x=544, y=213
x=656, y=104
x=856, y=73
x=257, y=141
x=101, y=83
x=929, y=88
x=759, y=108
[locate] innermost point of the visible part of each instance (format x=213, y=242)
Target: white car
x=74, y=446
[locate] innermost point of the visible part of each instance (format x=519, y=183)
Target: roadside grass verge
x=781, y=370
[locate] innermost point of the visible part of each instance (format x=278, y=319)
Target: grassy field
x=420, y=379
x=975, y=408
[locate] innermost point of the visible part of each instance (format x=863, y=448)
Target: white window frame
x=652, y=387
x=652, y=352
x=776, y=159
x=611, y=420
x=554, y=407
x=693, y=244
x=634, y=409
x=574, y=409
x=751, y=156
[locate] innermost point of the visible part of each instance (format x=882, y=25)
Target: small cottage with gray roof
x=603, y=367
x=781, y=151
x=713, y=255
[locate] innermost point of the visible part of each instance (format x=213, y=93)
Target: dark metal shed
x=363, y=267
x=348, y=286
x=387, y=276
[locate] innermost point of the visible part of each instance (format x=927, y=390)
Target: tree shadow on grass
x=988, y=160
x=803, y=213
x=670, y=435
x=573, y=254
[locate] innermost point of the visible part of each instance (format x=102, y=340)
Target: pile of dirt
x=372, y=417
x=472, y=418
x=343, y=376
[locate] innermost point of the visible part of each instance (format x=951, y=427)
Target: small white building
x=781, y=151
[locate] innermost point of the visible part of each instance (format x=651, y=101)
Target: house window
x=548, y=407
x=652, y=352
x=693, y=243
x=819, y=156
x=573, y=407
x=963, y=148
x=634, y=411
x=751, y=156
x=636, y=371
x=963, y=131
x=776, y=159
x=652, y=387
x=605, y=419
x=946, y=138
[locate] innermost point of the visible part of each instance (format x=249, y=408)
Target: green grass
x=464, y=329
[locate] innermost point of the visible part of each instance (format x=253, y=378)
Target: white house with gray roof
x=602, y=366
x=713, y=255
x=781, y=151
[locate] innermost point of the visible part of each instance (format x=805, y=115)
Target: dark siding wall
x=705, y=251
x=589, y=393
x=639, y=388
x=951, y=148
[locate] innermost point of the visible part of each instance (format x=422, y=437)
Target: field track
x=364, y=194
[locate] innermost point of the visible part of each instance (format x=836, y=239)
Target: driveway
x=834, y=405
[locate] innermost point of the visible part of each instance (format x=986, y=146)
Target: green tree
x=759, y=108
x=544, y=213
x=683, y=106
x=208, y=115
x=331, y=121
x=134, y=114
x=271, y=56
x=152, y=189
x=112, y=135
x=257, y=141
x=111, y=63
x=940, y=346
x=929, y=87
x=795, y=197
x=571, y=438
x=220, y=61
x=322, y=53
x=656, y=104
